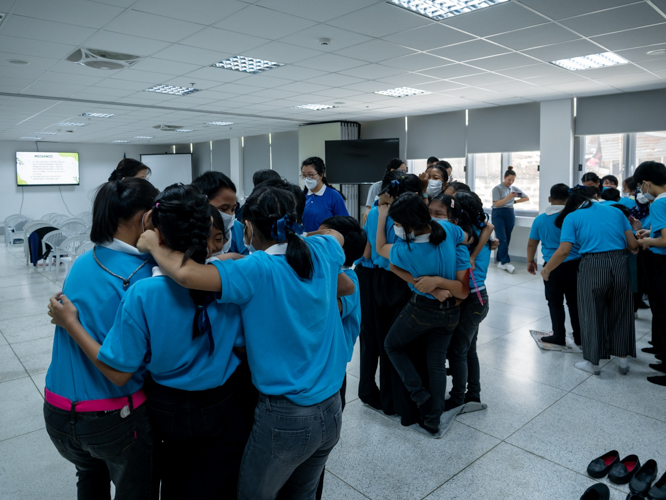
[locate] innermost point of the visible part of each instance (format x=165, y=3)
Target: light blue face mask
x=249, y=245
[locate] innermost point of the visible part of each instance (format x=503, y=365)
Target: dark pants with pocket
x=563, y=283
x=105, y=447
x=658, y=301
x=368, y=391
x=504, y=219
x=200, y=438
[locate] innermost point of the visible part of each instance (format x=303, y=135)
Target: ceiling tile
x=191, y=55
x=331, y=62
x=167, y=67
x=537, y=36
x=303, y=87
x=375, y=51
x=296, y=72
x=654, y=65
x=205, y=12
x=470, y=50
x=428, y=37
x=633, y=38
x=69, y=78
x=619, y=19
x=317, y=10
x=406, y=80
x=37, y=48
x=269, y=23
x=216, y=75
x=620, y=70
x=482, y=79
x=214, y=38
x=641, y=54
x=48, y=31
x=335, y=80
x=371, y=71
x=126, y=44
x=512, y=87
x=562, y=9
x=442, y=86
x=533, y=71
x=152, y=26
x=563, y=77
x=564, y=50
x=417, y=62
x=265, y=81
x=452, y=71
x=89, y=14
x=275, y=93
x=379, y=20
x=504, y=61
x=339, y=92
x=339, y=38
x=282, y=52
x=500, y=18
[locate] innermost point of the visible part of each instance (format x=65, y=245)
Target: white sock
x=623, y=362
x=586, y=366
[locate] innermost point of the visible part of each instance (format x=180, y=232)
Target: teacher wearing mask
x=321, y=200
x=504, y=217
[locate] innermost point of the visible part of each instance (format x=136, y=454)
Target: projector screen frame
x=78, y=160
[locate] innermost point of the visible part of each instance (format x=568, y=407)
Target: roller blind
x=256, y=156
x=200, y=158
x=284, y=147
x=504, y=129
x=385, y=129
x=621, y=113
x=222, y=156
x=441, y=135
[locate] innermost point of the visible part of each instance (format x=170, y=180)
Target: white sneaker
x=501, y=266
x=506, y=267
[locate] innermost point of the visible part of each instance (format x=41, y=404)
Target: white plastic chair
x=68, y=251
x=74, y=225
x=53, y=239
x=89, y=245
x=57, y=219
x=27, y=230
x=14, y=225
x=48, y=216
x=86, y=216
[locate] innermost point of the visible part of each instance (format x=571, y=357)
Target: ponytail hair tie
x=395, y=183
x=577, y=187
x=281, y=226
x=453, y=203
x=157, y=205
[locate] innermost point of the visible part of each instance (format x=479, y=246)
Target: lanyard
x=126, y=281
x=478, y=293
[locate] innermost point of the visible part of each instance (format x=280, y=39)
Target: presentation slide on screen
x=43, y=169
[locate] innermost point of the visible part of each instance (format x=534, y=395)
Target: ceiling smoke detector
x=102, y=59
x=168, y=128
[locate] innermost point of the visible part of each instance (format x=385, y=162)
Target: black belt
x=422, y=300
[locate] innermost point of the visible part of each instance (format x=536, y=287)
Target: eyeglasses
x=309, y=176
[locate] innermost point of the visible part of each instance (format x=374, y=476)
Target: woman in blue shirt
x=297, y=351
x=605, y=301
x=322, y=200
x=101, y=428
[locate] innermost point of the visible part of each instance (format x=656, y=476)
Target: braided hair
x=182, y=215
x=472, y=208
x=272, y=212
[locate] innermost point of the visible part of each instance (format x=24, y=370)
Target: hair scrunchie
x=280, y=227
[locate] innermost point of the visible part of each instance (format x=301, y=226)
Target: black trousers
x=343, y=398
x=368, y=391
x=658, y=301
x=563, y=283
x=200, y=437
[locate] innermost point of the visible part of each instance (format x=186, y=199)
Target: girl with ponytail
x=287, y=293
x=322, y=200
x=425, y=249
x=96, y=442
x=200, y=420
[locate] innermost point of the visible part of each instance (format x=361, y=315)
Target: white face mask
x=311, y=183
x=229, y=221
x=644, y=198
x=249, y=246
x=400, y=233
x=434, y=187
x=227, y=245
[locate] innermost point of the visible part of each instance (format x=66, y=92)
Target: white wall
x=97, y=161
x=557, y=142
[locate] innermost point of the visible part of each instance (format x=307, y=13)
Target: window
x=604, y=155
x=526, y=165
x=488, y=167
x=419, y=166
x=650, y=146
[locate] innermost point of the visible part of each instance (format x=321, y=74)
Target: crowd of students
x=201, y=347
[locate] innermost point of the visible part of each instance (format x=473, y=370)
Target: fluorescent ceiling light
x=71, y=124
x=315, y=107
x=220, y=123
x=401, y=92
x=247, y=64
x=47, y=133
x=120, y=141
x=171, y=89
x=441, y=9
x=31, y=138
x=98, y=115
x=184, y=130
x=590, y=62
x=143, y=137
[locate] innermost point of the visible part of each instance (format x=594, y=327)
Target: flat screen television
x=360, y=161
x=47, y=169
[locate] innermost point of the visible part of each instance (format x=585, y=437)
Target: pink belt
x=137, y=399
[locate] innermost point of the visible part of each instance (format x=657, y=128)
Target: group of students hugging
x=602, y=252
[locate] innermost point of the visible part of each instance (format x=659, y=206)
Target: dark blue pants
x=503, y=219
x=563, y=283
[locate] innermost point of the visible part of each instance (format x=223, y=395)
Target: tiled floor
x=545, y=420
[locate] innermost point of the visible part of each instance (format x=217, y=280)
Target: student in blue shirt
x=322, y=200
x=563, y=280
x=427, y=251
x=651, y=179
x=605, y=302
x=297, y=351
x=628, y=192
x=610, y=196
x=101, y=428
x=257, y=178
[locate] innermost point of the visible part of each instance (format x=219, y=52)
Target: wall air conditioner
x=102, y=59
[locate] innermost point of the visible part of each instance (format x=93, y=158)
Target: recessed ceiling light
x=657, y=52
x=143, y=137
x=247, y=64
x=98, y=115
x=184, y=130
x=219, y=123
x=171, y=89
x=124, y=142
x=402, y=92
x=315, y=107
x=31, y=138
x=47, y=133
x=441, y=9
x=590, y=62
x=71, y=124
x=17, y=61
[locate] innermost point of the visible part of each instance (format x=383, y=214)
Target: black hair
x=651, y=171
x=118, y=201
x=472, y=206
x=625, y=210
x=611, y=194
x=611, y=178
x=458, y=186
x=590, y=176
x=128, y=167
x=462, y=218
x=354, y=235
x=318, y=164
x=410, y=211
x=182, y=215
x=445, y=165
x=432, y=159
x=394, y=164
x=264, y=175
x=594, y=192
x=631, y=184
x=559, y=192
x=264, y=207
x=442, y=168
x=293, y=189
x=212, y=181
x=395, y=183
x=218, y=221
x=579, y=197
x=509, y=171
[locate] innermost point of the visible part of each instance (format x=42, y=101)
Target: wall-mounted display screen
x=359, y=161
x=47, y=169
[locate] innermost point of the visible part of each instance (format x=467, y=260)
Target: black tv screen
x=360, y=161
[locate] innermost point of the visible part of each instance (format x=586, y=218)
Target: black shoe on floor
x=650, y=342
x=659, y=380
x=651, y=350
x=597, y=491
x=599, y=467
x=660, y=367
x=658, y=491
x=470, y=399
x=428, y=428
x=622, y=472
x=643, y=478
x=634, y=496
x=552, y=339
x=450, y=404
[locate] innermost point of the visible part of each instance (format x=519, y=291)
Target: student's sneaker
x=506, y=267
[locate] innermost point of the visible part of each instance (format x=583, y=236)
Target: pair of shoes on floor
x=427, y=423
x=618, y=471
x=659, y=380
x=552, y=339
x=506, y=267
x=651, y=350
x=660, y=367
x=641, y=483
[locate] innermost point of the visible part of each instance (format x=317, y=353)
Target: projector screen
x=47, y=169
x=169, y=169
x=359, y=161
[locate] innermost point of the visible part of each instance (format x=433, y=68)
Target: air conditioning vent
x=168, y=128
x=102, y=59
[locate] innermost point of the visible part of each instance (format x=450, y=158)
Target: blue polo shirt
x=628, y=202
x=545, y=230
x=295, y=343
x=371, y=231
x=658, y=221
x=351, y=314
x=462, y=251
x=319, y=207
x=97, y=295
x=596, y=229
x=154, y=325
x=237, y=244
x=480, y=267
x=421, y=258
